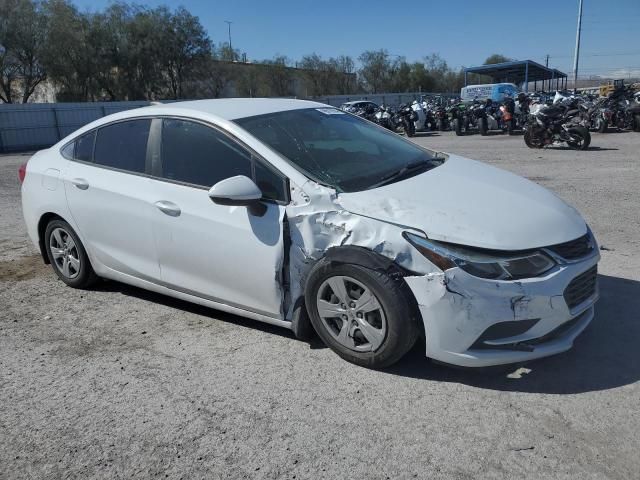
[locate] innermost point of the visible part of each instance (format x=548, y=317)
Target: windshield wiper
x=408, y=169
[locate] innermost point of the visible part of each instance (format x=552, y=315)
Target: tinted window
x=84, y=147
x=123, y=145
x=67, y=152
x=197, y=154
x=272, y=184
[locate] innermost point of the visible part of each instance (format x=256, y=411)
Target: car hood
x=471, y=203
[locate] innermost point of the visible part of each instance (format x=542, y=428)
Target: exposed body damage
x=456, y=307
x=317, y=222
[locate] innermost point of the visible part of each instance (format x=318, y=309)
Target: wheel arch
x=42, y=226
x=354, y=255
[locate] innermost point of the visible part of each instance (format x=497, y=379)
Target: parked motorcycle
x=406, y=117
x=555, y=124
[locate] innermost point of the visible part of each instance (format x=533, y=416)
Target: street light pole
x=577, y=53
x=229, y=24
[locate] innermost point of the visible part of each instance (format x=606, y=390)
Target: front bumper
x=458, y=308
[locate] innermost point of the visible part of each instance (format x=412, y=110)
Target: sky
x=463, y=32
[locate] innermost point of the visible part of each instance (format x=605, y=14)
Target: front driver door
x=221, y=253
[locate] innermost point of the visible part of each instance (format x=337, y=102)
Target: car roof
x=234, y=108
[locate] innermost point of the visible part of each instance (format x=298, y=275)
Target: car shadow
x=605, y=356
x=149, y=296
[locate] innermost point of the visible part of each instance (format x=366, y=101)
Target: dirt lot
x=117, y=382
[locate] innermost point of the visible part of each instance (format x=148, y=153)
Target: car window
x=335, y=148
x=200, y=155
x=84, y=147
x=123, y=145
x=67, y=150
x=273, y=186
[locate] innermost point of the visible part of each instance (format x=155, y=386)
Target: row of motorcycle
x=545, y=118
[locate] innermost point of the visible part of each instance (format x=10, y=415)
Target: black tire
x=583, y=134
x=602, y=126
x=510, y=126
x=636, y=126
x=409, y=129
x=440, y=125
x=531, y=140
x=84, y=277
x=458, y=127
x=398, y=305
x=483, y=126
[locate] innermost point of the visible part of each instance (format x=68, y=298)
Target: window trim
x=255, y=157
x=153, y=167
x=107, y=167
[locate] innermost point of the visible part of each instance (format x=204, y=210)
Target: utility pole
x=230, y=47
x=546, y=62
x=577, y=54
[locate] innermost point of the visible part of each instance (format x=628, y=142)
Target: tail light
x=22, y=172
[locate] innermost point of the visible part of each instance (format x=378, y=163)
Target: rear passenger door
x=222, y=253
x=109, y=196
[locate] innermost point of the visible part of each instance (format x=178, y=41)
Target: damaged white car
x=304, y=216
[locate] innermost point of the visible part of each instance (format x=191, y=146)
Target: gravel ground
x=118, y=382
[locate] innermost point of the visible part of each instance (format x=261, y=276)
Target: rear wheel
x=636, y=126
x=409, y=129
x=602, y=125
x=510, y=126
x=67, y=255
x=365, y=316
x=483, y=126
x=532, y=140
x=580, y=138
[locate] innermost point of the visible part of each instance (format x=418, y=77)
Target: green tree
x=22, y=37
x=497, y=58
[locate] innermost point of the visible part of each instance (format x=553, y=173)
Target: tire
x=67, y=255
x=395, y=313
x=585, y=138
x=410, y=129
x=483, y=127
x=458, y=127
x=440, y=125
x=510, y=126
x=602, y=125
x=530, y=139
x=636, y=125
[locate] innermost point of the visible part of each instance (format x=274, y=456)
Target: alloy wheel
x=65, y=253
x=351, y=313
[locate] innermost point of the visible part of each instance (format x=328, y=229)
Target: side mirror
x=238, y=191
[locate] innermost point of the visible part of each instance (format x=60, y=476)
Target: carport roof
x=517, y=72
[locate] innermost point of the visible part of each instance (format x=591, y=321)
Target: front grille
x=574, y=249
x=581, y=288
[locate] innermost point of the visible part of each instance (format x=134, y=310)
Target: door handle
x=81, y=183
x=168, y=208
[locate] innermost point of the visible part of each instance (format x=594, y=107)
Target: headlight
x=482, y=263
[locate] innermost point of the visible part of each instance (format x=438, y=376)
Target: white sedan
x=307, y=217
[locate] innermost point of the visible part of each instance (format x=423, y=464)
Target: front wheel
x=367, y=317
x=580, y=138
x=636, y=125
x=458, y=127
x=483, y=126
x=67, y=255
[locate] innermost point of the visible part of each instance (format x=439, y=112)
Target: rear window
x=123, y=145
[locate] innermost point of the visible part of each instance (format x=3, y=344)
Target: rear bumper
x=457, y=309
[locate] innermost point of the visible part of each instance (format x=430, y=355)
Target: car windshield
x=338, y=149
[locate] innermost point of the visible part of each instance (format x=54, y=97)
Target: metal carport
x=521, y=72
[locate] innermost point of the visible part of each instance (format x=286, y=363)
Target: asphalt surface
x=117, y=382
